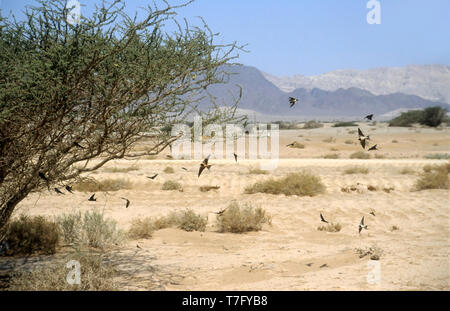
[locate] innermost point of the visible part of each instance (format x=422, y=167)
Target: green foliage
x=301, y=184
x=408, y=118
x=431, y=116
x=344, y=124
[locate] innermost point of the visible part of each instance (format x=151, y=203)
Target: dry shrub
x=302, y=184
x=91, y=229
x=356, y=170
x=388, y=190
x=371, y=188
x=395, y=228
x=407, y=171
x=329, y=140
x=394, y=141
x=374, y=252
x=186, y=220
x=169, y=170
x=330, y=227
x=331, y=156
x=95, y=276
x=27, y=235
x=110, y=184
x=237, y=219
x=360, y=155
x=437, y=156
x=312, y=125
x=349, y=142
x=172, y=185
x=434, y=177
x=121, y=170
x=380, y=156
x=298, y=145
x=253, y=170
x=351, y=131
x=208, y=188
x=334, y=149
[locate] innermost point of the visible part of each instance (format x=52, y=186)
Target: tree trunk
x=7, y=209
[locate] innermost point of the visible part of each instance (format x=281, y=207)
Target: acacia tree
x=71, y=93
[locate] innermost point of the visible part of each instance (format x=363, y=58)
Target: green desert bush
x=95, y=275
x=408, y=118
x=109, y=184
x=169, y=170
x=172, y=185
x=90, y=229
x=356, y=170
x=360, y=155
x=433, y=177
x=312, y=125
x=344, y=124
x=31, y=234
x=438, y=156
x=330, y=227
x=301, y=184
x=239, y=219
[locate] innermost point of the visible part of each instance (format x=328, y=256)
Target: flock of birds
x=205, y=164
x=360, y=226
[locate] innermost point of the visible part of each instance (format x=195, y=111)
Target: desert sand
x=289, y=253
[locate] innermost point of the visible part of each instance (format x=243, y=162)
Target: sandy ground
x=288, y=254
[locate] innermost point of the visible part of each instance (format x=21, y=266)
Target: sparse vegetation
x=379, y=156
x=360, y=155
x=239, y=219
x=188, y=220
x=344, y=124
x=438, y=156
x=169, y=170
x=331, y=156
x=95, y=276
x=371, y=188
x=298, y=145
x=434, y=177
x=329, y=140
x=330, y=227
x=374, y=252
x=172, y=185
x=356, y=170
x=27, y=235
x=394, y=141
x=312, y=125
x=109, y=184
x=90, y=229
x=301, y=184
x=349, y=142
x=120, y=170
x=253, y=170
x=395, y=228
x=407, y=171
x=208, y=188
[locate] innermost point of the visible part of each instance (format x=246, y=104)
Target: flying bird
x=137, y=245
x=293, y=101
x=369, y=117
x=184, y=168
x=322, y=219
x=92, y=198
x=235, y=156
x=68, y=188
x=362, y=138
x=362, y=226
x=324, y=265
x=204, y=165
x=152, y=177
x=128, y=202
x=374, y=147
x=310, y=264
x=290, y=145
x=372, y=213
x=58, y=191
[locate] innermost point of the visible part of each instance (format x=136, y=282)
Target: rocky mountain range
x=265, y=95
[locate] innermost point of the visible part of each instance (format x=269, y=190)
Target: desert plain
x=410, y=227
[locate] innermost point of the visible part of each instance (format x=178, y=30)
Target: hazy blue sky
x=287, y=37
